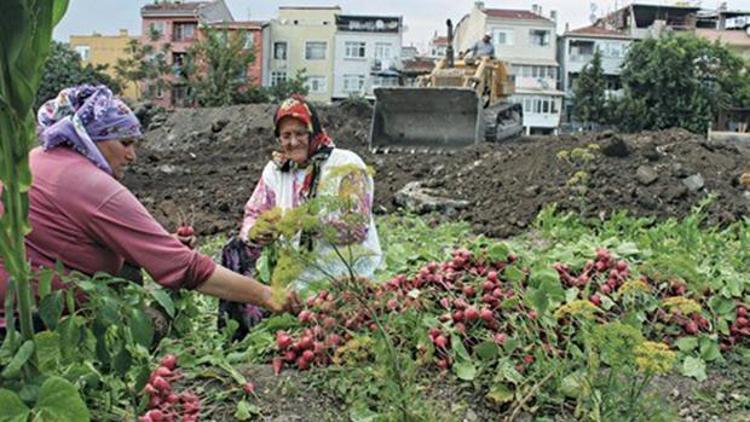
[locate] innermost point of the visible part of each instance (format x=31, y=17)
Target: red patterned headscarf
x=319, y=148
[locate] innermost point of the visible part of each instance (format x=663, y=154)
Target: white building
x=367, y=54
x=527, y=42
x=438, y=47
x=576, y=50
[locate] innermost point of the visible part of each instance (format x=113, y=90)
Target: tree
x=680, y=81
x=284, y=89
x=144, y=64
x=63, y=68
x=216, y=68
x=589, y=93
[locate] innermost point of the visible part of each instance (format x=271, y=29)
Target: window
x=316, y=84
x=184, y=31
x=315, y=50
x=354, y=83
x=84, y=51
x=249, y=40
x=385, y=81
x=354, y=49
x=382, y=51
x=552, y=72
x=279, y=50
x=180, y=95
x=539, y=37
x=277, y=77
x=503, y=37
x=156, y=30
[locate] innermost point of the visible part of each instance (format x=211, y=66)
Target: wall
x=346, y=66
x=106, y=50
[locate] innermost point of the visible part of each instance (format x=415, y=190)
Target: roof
x=514, y=14
x=440, y=41
x=368, y=23
x=238, y=24
x=734, y=38
x=418, y=65
x=310, y=7
x=597, y=31
x=174, y=7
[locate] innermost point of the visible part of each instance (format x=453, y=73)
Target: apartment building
x=301, y=38
x=527, y=42
x=576, y=49
x=367, y=54
x=98, y=49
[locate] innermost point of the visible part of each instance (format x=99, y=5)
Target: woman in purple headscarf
x=82, y=216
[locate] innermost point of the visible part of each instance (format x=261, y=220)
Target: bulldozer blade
x=434, y=118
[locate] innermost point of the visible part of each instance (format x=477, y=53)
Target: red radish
x=170, y=361
x=512, y=258
x=742, y=311
x=154, y=402
x=498, y=293
x=742, y=322
x=528, y=359
x=333, y=340
x=434, y=332
x=162, y=385
x=469, y=291
x=460, y=328
x=173, y=398
x=305, y=343
x=596, y=300
x=302, y=364
x=290, y=356
x=486, y=314
x=443, y=364
x=471, y=313
x=492, y=276
x=163, y=372
x=441, y=341
x=622, y=266
x=150, y=389
x=305, y=316
x=488, y=286
x=308, y=355
x=691, y=327
x=277, y=363
x=248, y=388
x=329, y=322
x=155, y=415
x=606, y=289
x=458, y=316
x=185, y=231
x=533, y=314
x=283, y=340
x=500, y=338
x=392, y=304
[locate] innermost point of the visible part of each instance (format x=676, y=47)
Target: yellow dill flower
x=582, y=154
x=635, y=286
x=563, y=155
x=593, y=147
x=579, y=177
x=353, y=351
x=654, y=358
x=685, y=305
x=577, y=308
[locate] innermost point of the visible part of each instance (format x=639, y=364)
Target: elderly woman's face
x=119, y=154
x=294, y=139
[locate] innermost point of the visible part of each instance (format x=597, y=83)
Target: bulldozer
x=461, y=102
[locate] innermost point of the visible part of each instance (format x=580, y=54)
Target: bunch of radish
x=166, y=405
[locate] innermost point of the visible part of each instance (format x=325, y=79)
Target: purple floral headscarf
x=83, y=115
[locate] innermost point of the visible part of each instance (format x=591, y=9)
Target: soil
x=201, y=165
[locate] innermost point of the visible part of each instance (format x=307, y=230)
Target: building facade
x=301, y=39
x=366, y=55
x=527, y=42
x=97, y=49
x=576, y=50
x=171, y=29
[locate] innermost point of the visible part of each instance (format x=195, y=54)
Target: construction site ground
x=204, y=163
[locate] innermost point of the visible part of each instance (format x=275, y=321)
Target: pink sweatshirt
x=92, y=223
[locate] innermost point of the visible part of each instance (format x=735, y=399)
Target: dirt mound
x=209, y=160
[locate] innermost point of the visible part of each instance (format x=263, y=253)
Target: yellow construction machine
x=461, y=102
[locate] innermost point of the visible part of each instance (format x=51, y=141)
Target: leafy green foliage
x=679, y=81
x=144, y=65
x=63, y=68
x=589, y=92
x=217, y=68
x=284, y=89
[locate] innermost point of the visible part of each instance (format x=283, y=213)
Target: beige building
x=99, y=49
x=301, y=38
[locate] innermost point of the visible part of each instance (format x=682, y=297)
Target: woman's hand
x=292, y=303
x=189, y=241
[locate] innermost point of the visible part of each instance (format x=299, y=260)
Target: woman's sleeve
x=262, y=200
x=122, y=224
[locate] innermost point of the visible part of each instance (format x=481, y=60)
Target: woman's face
x=119, y=154
x=294, y=139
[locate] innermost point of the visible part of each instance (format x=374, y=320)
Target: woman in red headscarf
x=298, y=172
